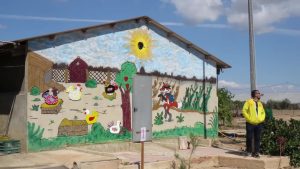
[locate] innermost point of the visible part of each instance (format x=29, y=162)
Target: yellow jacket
x=249, y=112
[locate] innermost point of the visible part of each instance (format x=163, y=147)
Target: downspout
x=218, y=73
x=204, y=100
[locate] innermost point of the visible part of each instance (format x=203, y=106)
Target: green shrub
x=35, y=91
x=269, y=113
x=274, y=130
x=159, y=119
x=180, y=118
x=91, y=83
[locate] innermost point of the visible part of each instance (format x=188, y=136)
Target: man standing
x=254, y=113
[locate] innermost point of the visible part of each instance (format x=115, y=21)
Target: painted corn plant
x=35, y=134
x=214, y=123
x=193, y=99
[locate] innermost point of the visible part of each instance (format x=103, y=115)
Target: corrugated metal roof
x=219, y=63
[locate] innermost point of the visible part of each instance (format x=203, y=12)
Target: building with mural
x=74, y=87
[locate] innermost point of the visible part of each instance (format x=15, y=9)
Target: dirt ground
x=286, y=114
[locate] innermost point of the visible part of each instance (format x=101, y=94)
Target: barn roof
x=219, y=63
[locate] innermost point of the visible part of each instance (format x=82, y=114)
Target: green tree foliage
x=125, y=81
x=237, y=104
x=283, y=104
x=225, y=105
x=125, y=77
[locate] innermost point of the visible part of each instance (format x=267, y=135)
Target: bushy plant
x=186, y=164
x=91, y=83
x=282, y=138
x=35, y=91
x=225, y=105
x=35, y=107
x=159, y=119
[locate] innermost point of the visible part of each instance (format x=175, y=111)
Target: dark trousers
x=253, y=131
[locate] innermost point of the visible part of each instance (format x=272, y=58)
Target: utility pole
x=252, y=47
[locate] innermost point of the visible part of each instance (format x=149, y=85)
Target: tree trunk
x=126, y=108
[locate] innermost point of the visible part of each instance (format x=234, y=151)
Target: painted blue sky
x=218, y=26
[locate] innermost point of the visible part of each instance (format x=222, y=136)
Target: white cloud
x=197, y=11
x=266, y=13
x=287, y=31
x=231, y=85
x=273, y=91
x=59, y=19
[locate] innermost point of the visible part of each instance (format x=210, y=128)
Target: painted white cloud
x=273, y=91
x=197, y=11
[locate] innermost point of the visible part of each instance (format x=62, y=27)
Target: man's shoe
x=255, y=155
x=246, y=154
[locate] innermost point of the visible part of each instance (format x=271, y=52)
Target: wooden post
x=142, y=155
x=87, y=74
x=66, y=75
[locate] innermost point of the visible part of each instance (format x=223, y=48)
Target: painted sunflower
x=140, y=44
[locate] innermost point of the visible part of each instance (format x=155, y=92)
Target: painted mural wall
x=85, y=95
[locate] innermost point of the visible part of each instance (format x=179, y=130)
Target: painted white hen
x=74, y=92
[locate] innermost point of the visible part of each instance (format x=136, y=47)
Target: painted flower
x=140, y=44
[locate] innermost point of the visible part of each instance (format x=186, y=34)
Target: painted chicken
x=91, y=117
x=115, y=129
x=75, y=93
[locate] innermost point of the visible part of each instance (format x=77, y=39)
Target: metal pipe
x=204, y=100
x=252, y=47
x=10, y=115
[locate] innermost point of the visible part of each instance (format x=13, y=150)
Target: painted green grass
x=98, y=134
x=197, y=130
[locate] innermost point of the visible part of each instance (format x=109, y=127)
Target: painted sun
x=140, y=43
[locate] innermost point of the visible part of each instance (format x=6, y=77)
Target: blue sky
x=218, y=26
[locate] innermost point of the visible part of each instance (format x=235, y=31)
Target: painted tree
x=125, y=81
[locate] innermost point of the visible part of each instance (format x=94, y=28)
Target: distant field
x=286, y=114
